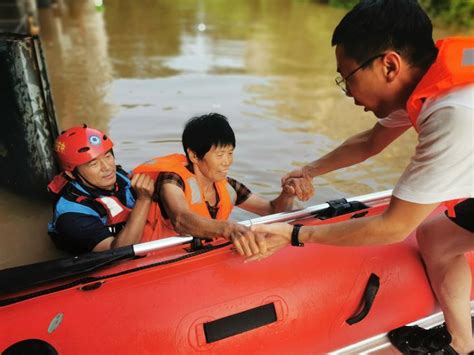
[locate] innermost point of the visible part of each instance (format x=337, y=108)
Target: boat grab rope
x=87, y=280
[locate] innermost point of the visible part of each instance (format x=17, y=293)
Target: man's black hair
x=375, y=26
x=201, y=133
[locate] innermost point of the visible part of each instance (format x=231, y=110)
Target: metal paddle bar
x=154, y=245
x=143, y=248
x=310, y=211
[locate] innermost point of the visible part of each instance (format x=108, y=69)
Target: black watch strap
x=294, y=236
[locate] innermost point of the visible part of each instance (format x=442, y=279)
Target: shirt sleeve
x=79, y=233
x=396, y=119
x=167, y=177
x=243, y=193
x=442, y=167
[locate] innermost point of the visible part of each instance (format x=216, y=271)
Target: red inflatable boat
x=185, y=299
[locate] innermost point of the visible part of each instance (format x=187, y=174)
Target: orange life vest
x=157, y=226
x=453, y=68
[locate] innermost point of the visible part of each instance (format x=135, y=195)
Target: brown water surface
x=140, y=69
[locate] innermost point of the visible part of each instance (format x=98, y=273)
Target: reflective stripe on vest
x=116, y=211
x=232, y=193
x=468, y=56
x=195, y=191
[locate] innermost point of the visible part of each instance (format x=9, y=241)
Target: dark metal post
x=28, y=122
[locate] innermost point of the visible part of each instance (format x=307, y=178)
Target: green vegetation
x=342, y=3
x=450, y=12
x=457, y=12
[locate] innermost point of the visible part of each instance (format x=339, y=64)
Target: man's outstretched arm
x=392, y=226
x=354, y=150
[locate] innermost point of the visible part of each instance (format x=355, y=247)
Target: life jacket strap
x=57, y=184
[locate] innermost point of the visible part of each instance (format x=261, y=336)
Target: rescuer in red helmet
x=98, y=207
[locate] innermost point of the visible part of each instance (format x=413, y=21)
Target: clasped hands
x=296, y=184
x=262, y=240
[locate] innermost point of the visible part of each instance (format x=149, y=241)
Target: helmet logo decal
x=94, y=140
x=59, y=147
x=80, y=145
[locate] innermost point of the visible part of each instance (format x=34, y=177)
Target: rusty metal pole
x=28, y=121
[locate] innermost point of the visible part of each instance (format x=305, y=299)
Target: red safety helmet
x=80, y=145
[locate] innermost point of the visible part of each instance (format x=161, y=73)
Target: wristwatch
x=294, y=236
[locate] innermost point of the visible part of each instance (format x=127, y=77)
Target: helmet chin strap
x=79, y=176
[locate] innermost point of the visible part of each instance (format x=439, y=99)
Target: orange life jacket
x=157, y=226
x=453, y=68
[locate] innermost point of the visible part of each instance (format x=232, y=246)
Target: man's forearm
x=133, y=230
x=355, y=150
x=392, y=226
x=366, y=231
x=352, y=151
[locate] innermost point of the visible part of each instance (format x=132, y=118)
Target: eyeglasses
x=341, y=82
